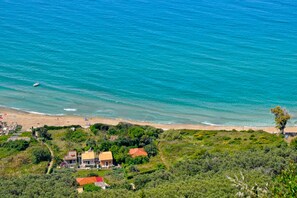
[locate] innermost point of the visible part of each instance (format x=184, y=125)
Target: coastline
x=28, y=120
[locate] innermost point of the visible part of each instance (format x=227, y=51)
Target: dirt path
x=49, y=168
x=52, y=161
x=162, y=157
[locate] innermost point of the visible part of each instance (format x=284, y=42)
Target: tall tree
x=41, y=132
x=281, y=118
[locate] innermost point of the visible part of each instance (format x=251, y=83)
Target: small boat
x=36, y=84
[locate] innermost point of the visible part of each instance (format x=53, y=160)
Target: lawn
x=87, y=173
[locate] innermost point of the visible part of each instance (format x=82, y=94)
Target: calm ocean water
x=222, y=62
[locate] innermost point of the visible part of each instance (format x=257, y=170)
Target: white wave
x=69, y=109
x=59, y=114
x=39, y=113
x=208, y=123
x=35, y=112
x=14, y=108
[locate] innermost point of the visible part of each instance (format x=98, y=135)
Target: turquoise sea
x=224, y=62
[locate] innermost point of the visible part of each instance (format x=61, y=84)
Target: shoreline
x=28, y=120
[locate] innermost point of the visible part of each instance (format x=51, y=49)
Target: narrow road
x=52, y=161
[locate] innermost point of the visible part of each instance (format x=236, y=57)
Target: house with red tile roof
x=97, y=181
x=136, y=152
x=88, y=180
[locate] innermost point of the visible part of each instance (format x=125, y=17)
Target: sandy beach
x=28, y=120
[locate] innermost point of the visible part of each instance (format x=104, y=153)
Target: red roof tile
x=135, y=152
x=88, y=180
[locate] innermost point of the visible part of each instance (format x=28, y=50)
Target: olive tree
x=281, y=118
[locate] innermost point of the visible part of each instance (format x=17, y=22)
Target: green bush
x=136, y=160
x=205, y=134
x=136, y=132
x=285, y=184
x=18, y=145
x=59, y=184
x=91, y=188
x=61, y=127
x=226, y=138
x=40, y=154
x=151, y=150
x=42, y=132
x=95, y=128
x=293, y=143
x=76, y=136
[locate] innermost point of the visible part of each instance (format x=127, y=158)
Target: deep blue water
x=171, y=61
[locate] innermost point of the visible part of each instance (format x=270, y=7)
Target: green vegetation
x=58, y=184
x=42, y=133
x=75, y=136
x=197, y=163
x=41, y=154
x=118, y=139
x=286, y=183
x=17, y=162
x=91, y=188
x=181, y=163
x=18, y=145
x=281, y=118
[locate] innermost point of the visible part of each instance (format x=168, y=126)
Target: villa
x=88, y=159
x=106, y=160
x=136, y=152
x=71, y=159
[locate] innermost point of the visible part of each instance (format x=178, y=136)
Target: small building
x=106, y=160
x=88, y=159
x=97, y=181
x=88, y=180
x=136, y=152
x=71, y=159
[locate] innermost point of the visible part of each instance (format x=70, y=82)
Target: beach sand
x=28, y=120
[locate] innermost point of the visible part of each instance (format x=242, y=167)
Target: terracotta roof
x=88, y=155
x=88, y=180
x=105, y=156
x=135, y=152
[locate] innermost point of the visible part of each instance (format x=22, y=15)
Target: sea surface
x=218, y=62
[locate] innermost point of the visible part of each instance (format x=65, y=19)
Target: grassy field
x=175, y=146
x=16, y=163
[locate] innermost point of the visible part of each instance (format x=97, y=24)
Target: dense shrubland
x=18, y=145
x=186, y=163
x=204, y=160
x=41, y=154
x=58, y=184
